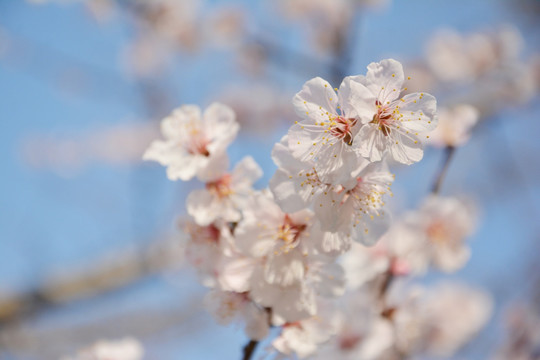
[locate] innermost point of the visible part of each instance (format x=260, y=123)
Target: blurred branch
x=249, y=349
x=99, y=279
x=439, y=177
x=51, y=341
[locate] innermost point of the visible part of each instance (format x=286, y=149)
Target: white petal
x=220, y=126
x=357, y=100
x=385, y=79
x=317, y=93
x=370, y=142
x=284, y=268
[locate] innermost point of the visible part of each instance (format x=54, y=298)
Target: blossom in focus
x=194, y=142
x=435, y=234
x=391, y=124
x=282, y=239
x=455, y=125
x=225, y=195
x=292, y=303
x=125, y=349
x=355, y=210
x=329, y=124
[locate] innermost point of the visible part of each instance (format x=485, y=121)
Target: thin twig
x=439, y=178
x=249, y=349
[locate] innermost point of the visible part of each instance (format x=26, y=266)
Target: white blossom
x=438, y=321
x=224, y=197
x=194, y=143
x=228, y=307
x=434, y=235
x=355, y=210
x=455, y=125
x=391, y=124
x=329, y=125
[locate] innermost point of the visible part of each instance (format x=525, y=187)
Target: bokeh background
x=89, y=247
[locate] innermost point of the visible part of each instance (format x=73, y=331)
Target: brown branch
x=249, y=349
x=439, y=178
x=101, y=277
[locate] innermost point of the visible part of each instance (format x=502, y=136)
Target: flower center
x=341, y=128
x=348, y=342
x=382, y=118
x=290, y=232
x=221, y=187
x=198, y=144
x=437, y=232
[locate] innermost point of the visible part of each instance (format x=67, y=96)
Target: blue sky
x=50, y=223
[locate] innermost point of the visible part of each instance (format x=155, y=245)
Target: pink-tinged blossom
x=364, y=264
x=325, y=135
x=225, y=196
x=296, y=184
x=355, y=210
x=455, y=125
x=284, y=240
x=391, y=124
x=437, y=321
x=231, y=307
x=204, y=248
x=435, y=235
x=362, y=333
x=124, y=349
x=194, y=143
x=303, y=338
x=298, y=301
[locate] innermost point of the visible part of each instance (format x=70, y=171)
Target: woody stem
x=448, y=154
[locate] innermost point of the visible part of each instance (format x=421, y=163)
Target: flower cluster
x=315, y=253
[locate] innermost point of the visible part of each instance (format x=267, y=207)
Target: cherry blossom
x=302, y=338
x=205, y=246
x=326, y=133
x=283, y=239
x=194, y=143
x=455, y=125
x=224, y=196
x=438, y=321
x=391, y=124
x=228, y=307
x=435, y=235
x=298, y=301
x=356, y=209
x=362, y=333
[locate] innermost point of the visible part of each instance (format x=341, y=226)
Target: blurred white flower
x=455, y=125
x=362, y=333
x=226, y=195
x=125, y=349
x=228, y=307
x=193, y=140
x=435, y=234
x=440, y=320
x=302, y=339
